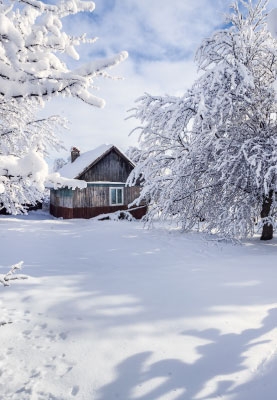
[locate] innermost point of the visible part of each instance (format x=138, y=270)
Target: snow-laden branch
x=56, y=181
x=32, y=48
x=23, y=180
x=33, y=167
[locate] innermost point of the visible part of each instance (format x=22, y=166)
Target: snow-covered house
x=105, y=169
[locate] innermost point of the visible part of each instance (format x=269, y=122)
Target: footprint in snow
x=63, y=335
x=75, y=390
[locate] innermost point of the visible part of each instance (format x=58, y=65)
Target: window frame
x=116, y=188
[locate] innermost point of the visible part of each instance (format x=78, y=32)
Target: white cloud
x=272, y=22
x=161, y=38
x=151, y=29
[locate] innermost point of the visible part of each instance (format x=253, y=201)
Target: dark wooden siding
x=99, y=196
x=61, y=212
x=90, y=202
x=62, y=198
x=93, y=196
x=87, y=206
x=68, y=213
x=112, y=168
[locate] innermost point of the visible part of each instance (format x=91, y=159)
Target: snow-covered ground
x=114, y=311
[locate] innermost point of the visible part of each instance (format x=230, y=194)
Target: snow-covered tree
x=133, y=153
x=34, y=67
x=212, y=153
x=24, y=140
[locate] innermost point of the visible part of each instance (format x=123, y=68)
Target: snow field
x=115, y=311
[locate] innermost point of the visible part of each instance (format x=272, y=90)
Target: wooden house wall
x=112, y=168
x=62, y=197
x=92, y=196
x=61, y=203
x=99, y=196
x=90, y=202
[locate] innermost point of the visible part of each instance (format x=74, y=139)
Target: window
x=116, y=196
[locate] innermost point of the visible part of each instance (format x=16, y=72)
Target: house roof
x=87, y=160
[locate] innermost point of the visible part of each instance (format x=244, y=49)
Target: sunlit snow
x=115, y=311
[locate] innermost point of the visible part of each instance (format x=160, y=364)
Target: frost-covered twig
x=11, y=275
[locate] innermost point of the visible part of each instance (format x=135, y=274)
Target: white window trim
x=110, y=193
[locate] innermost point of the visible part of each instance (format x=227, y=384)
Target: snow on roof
x=73, y=170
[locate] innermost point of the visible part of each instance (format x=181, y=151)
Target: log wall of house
x=62, y=197
x=61, y=203
x=112, y=168
x=92, y=201
x=99, y=196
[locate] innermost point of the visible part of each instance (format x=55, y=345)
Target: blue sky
x=161, y=38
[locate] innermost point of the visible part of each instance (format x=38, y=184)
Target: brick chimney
x=75, y=152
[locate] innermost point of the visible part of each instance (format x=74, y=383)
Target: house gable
x=112, y=166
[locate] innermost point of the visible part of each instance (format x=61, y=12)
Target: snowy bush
x=211, y=153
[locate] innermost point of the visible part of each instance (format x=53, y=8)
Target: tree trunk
x=267, y=233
